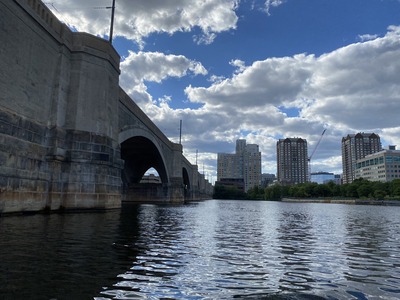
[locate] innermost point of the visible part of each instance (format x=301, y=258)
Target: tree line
x=359, y=189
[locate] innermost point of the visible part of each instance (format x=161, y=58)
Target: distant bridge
x=70, y=137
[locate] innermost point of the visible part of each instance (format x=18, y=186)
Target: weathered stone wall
x=23, y=171
x=58, y=108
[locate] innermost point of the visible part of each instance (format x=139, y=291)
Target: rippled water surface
x=206, y=250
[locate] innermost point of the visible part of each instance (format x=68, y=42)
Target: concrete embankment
x=343, y=201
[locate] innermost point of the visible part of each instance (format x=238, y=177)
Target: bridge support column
x=176, y=190
x=52, y=168
x=93, y=173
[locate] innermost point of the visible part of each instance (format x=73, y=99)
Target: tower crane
x=312, y=153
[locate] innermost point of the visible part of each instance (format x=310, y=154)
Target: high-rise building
x=292, y=162
x=357, y=146
x=245, y=164
x=227, y=166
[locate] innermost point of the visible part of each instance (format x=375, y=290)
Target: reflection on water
x=207, y=250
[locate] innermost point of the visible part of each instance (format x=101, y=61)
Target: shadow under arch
x=140, y=154
x=186, y=183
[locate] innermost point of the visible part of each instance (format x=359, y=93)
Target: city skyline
x=255, y=70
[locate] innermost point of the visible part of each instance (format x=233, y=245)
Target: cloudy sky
x=255, y=69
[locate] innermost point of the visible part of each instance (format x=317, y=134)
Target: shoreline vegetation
x=361, y=191
x=343, y=201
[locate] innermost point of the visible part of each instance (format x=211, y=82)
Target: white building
x=382, y=166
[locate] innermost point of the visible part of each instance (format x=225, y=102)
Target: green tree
x=394, y=188
x=352, y=191
x=310, y=189
x=293, y=190
x=364, y=190
x=285, y=190
x=379, y=194
x=272, y=192
x=323, y=190
x=255, y=193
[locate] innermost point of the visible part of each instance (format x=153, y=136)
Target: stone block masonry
x=58, y=107
x=51, y=168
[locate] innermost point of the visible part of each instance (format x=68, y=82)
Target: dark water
x=206, y=250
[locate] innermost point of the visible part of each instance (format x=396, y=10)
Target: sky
x=258, y=70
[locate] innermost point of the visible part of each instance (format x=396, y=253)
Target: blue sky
x=258, y=70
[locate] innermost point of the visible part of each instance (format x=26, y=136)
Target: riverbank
x=343, y=201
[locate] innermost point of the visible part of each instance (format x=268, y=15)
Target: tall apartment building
x=245, y=163
x=292, y=162
x=357, y=146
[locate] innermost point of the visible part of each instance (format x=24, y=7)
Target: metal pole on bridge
x=180, y=132
x=112, y=21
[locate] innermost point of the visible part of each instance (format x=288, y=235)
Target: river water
x=216, y=249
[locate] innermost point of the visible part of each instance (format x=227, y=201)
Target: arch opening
x=151, y=176
x=186, y=183
x=140, y=156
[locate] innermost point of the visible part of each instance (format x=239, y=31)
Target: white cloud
x=239, y=64
x=367, y=37
x=138, y=19
x=272, y=81
x=272, y=3
x=154, y=66
x=354, y=88
x=348, y=88
x=357, y=86
x=392, y=136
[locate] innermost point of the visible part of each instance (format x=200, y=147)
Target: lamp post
x=112, y=21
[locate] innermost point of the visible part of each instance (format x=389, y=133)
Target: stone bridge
x=70, y=137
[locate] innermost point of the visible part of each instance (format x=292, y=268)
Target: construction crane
x=312, y=153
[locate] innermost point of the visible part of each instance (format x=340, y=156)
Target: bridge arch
x=186, y=183
x=140, y=152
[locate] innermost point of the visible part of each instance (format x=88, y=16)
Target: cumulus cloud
x=154, y=66
x=271, y=81
x=346, y=87
x=355, y=88
x=138, y=19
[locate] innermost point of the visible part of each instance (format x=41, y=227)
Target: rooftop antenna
x=112, y=21
x=197, y=152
